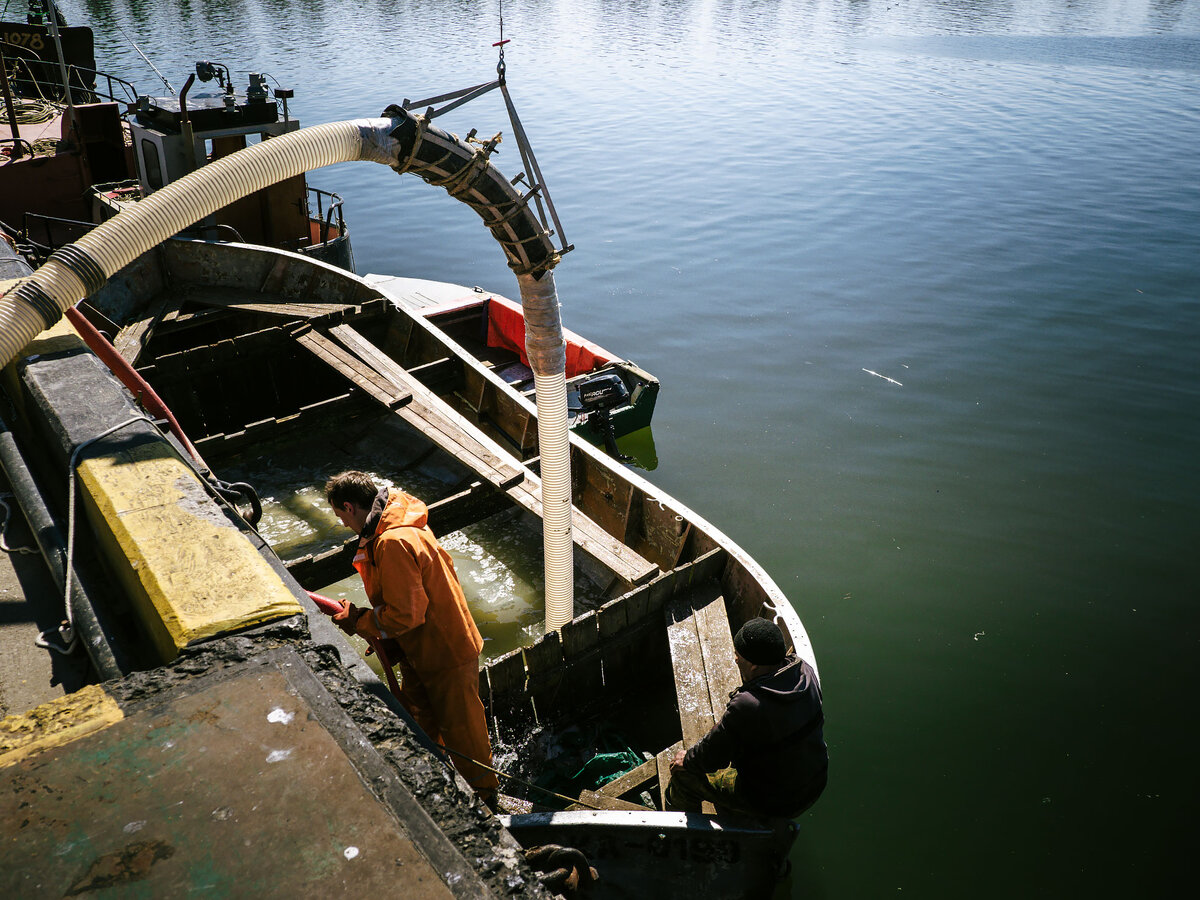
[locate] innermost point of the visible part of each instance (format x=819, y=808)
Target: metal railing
x=45, y=234
x=329, y=211
x=36, y=76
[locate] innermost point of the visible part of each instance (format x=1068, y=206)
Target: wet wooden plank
x=579, y=636
x=544, y=665
x=702, y=658
x=349, y=405
x=585, y=674
x=507, y=674
x=194, y=361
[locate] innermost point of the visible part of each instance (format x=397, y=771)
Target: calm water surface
x=920, y=282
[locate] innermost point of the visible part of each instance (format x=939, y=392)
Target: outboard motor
x=599, y=395
x=602, y=393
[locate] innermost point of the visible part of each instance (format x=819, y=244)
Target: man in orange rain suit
x=417, y=601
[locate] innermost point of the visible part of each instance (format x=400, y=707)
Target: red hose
x=332, y=607
x=327, y=605
x=130, y=377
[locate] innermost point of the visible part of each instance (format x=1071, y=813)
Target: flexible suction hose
x=547, y=352
x=78, y=270
x=404, y=142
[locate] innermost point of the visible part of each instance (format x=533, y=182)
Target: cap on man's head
x=761, y=642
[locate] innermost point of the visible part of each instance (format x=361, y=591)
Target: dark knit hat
x=761, y=642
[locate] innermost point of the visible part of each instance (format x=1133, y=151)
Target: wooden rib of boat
x=248, y=344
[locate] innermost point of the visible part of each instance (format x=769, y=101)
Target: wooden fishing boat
x=248, y=345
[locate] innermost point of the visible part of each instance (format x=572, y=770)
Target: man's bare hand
x=677, y=760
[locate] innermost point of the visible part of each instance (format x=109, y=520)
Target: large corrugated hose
x=548, y=359
x=406, y=142
x=80, y=269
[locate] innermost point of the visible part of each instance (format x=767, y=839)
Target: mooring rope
x=4, y=498
x=66, y=631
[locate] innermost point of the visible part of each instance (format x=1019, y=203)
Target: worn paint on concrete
x=59, y=338
x=237, y=789
x=56, y=723
x=189, y=570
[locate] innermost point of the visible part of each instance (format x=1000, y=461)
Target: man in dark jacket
x=767, y=755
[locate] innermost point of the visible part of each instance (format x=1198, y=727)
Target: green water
x=498, y=561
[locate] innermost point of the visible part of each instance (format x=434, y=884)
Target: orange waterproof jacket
x=415, y=595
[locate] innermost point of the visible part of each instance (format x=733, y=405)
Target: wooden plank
x=610, y=619
x=545, y=656
x=701, y=646
x=348, y=406
x=693, y=699
x=662, y=764
x=544, y=665
x=133, y=338
x=596, y=800
x=433, y=416
x=615, y=654
x=663, y=761
x=664, y=533
x=633, y=780
x=507, y=674
x=716, y=641
x=361, y=376
x=585, y=673
x=288, y=310
x=604, y=497
x=580, y=635
x=190, y=362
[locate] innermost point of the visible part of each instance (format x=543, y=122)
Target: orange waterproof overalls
x=416, y=599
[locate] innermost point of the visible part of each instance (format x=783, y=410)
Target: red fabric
x=506, y=328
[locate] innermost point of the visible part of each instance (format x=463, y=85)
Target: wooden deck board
x=702, y=657
x=597, y=800
x=361, y=376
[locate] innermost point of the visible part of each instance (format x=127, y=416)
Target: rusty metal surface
x=236, y=789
